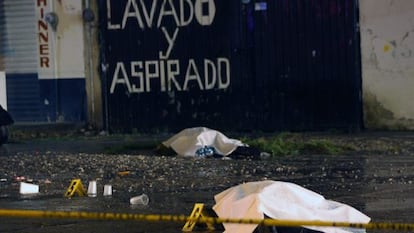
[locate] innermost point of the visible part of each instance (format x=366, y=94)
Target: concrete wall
x=387, y=44
x=62, y=56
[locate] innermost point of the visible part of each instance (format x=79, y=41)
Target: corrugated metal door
x=20, y=36
x=276, y=65
x=3, y=96
x=2, y=32
x=173, y=64
x=307, y=64
x=19, y=50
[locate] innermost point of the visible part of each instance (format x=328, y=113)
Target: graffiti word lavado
x=160, y=10
x=167, y=75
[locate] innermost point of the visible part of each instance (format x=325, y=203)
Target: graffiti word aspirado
x=170, y=75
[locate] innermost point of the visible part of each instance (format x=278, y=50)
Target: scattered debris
x=92, y=188
x=27, y=188
x=107, y=190
x=139, y=200
x=19, y=178
x=124, y=173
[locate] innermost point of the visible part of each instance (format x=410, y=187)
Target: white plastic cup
x=92, y=188
x=107, y=190
x=139, y=200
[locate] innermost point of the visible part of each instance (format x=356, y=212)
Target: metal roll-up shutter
x=3, y=95
x=20, y=36
x=20, y=59
x=2, y=29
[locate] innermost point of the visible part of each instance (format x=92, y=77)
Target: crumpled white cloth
x=282, y=201
x=189, y=140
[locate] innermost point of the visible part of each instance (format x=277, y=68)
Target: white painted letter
x=170, y=42
x=149, y=75
x=140, y=76
x=116, y=79
x=162, y=75
x=135, y=13
x=108, y=14
x=220, y=61
x=149, y=18
x=205, y=19
x=172, y=73
x=165, y=12
x=209, y=85
x=183, y=21
x=194, y=76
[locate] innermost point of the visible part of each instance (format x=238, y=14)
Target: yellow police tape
x=183, y=218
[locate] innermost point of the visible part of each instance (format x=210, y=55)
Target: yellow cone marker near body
x=196, y=214
x=75, y=186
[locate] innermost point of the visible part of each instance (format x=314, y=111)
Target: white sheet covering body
x=282, y=201
x=188, y=141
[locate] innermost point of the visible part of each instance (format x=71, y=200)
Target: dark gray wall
x=268, y=65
